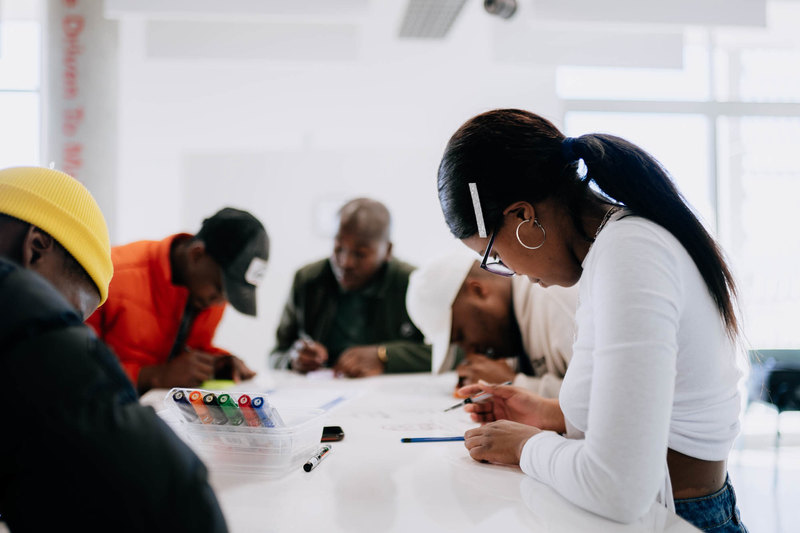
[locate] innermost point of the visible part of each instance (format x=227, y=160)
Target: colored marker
x=430, y=439
x=260, y=406
x=196, y=399
x=250, y=415
x=188, y=412
x=212, y=403
x=230, y=409
x=317, y=458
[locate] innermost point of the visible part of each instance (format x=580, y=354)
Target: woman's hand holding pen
x=515, y=404
x=498, y=442
x=307, y=355
x=508, y=419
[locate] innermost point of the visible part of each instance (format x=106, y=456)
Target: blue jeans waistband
x=715, y=512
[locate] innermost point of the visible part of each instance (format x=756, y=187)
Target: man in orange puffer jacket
x=167, y=298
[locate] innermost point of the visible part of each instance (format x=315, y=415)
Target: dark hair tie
x=567, y=149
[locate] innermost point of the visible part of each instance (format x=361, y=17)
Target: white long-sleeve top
x=652, y=368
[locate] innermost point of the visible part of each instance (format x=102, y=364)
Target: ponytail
x=632, y=177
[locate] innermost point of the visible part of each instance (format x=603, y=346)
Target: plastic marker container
x=244, y=444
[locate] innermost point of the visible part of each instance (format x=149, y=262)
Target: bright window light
x=20, y=102
x=689, y=83
x=20, y=55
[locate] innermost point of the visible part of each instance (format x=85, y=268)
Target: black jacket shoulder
x=82, y=442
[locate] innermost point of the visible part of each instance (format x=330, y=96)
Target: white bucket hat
x=432, y=289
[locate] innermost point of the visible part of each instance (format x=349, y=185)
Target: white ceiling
x=620, y=33
x=680, y=12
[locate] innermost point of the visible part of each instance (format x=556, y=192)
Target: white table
x=371, y=482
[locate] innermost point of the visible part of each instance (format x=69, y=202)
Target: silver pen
x=474, y=399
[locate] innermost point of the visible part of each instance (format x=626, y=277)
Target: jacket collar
x=377, y=287
x=162, y=271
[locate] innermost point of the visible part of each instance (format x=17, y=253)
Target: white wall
x=290, y=140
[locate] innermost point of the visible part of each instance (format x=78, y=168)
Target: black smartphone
x=332, y=434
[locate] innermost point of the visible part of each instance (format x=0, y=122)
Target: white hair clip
x=476, y=203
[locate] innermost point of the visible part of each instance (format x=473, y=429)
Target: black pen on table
x=474, y=399
x=317, y=458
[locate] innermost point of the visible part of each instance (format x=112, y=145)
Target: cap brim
x=241, y=295
x=440, y=346
x=432, y=290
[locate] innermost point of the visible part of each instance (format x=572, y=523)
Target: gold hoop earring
x=544, y=235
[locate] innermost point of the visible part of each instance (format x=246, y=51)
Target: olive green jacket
x=311, y=308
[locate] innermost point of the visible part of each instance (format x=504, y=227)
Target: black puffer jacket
x=77, y=450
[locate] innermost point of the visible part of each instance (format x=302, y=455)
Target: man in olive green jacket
x=348, y=312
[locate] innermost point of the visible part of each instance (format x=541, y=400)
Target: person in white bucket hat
x=508, y=328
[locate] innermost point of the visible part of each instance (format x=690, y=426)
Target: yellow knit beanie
x=60, y=205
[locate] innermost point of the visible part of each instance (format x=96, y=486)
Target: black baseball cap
x=238, y=242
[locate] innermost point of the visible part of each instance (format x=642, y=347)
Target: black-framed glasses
x=496, y=266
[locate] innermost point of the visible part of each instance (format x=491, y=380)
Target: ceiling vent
x=429, y=19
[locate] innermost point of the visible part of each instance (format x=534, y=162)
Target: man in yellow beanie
x=78, y=448
x=49, y=223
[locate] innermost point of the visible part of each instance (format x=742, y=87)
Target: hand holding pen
x=188, y=369
x=307, y=354
x=473, y=398
x=490, y=402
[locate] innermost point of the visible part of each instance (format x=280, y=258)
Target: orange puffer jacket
x=141, y=317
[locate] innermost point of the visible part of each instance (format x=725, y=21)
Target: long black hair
x=513, y=154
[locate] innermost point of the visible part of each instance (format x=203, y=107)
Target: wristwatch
x=382, y=354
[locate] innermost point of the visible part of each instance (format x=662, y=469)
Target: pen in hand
x=474, y=399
